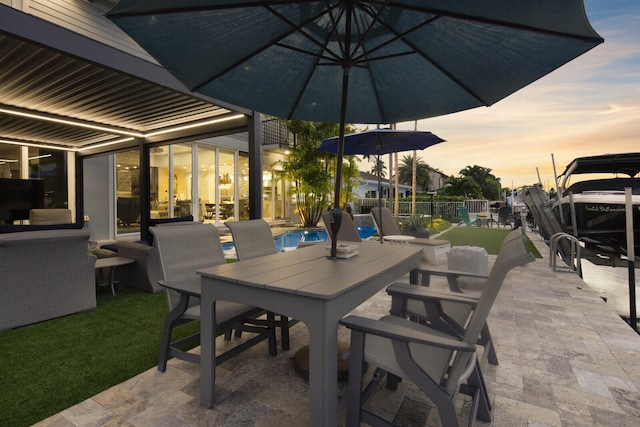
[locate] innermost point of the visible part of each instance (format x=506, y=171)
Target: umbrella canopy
x=406, y=60
x=381, y=141
x=358, y=61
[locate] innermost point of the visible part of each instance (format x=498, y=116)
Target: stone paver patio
x=566, y=359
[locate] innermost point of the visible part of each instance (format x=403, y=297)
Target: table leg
x=112, y=276
x=207, y=350
x=323, y=371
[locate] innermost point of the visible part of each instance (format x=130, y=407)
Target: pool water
x=290, y=239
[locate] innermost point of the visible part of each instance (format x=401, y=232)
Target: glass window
x=273, y=196
x=159, y=183
x=226, y=185
x=207, y=183
x=182, y=180
x=51, y=167
x=243, y=185
x=9, y=161
x=128, y=191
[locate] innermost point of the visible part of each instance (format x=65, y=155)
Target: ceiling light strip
x=71, y=123
x=104, y=144
x=31, y=144
x=193, y=125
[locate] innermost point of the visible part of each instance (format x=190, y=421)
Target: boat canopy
x=624, y=163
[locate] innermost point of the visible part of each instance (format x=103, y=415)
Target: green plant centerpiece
x=417, y=226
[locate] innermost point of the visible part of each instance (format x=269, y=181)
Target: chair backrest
x=503, y=214
x=384, y=222
x=184, y=250
x=463, y=211
x=512, y=254
x=49, y=216
x=252, y=238
x=348, y=231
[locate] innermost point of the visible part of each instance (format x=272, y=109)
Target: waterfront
x=612, y=284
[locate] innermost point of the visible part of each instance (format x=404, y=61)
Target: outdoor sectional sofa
x=45, y=272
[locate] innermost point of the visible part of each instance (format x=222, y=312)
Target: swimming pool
x=290, y=239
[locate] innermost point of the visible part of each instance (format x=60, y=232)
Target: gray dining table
x=307, y=285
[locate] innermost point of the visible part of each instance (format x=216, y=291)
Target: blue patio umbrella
x=381, y=141
x=377, y=142
x=358, y=61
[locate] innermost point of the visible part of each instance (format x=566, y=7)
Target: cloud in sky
x=589, y=106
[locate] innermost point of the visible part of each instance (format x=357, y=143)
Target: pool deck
x=566, y=359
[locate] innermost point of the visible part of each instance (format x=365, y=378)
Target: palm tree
x=405, y=172
x=461, y=186
x=378, y=168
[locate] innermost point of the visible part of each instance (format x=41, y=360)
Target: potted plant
x=417, y=226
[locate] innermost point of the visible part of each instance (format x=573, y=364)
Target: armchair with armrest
x=439, y=357
x=459, y=312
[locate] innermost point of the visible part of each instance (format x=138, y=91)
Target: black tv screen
x=18, y=196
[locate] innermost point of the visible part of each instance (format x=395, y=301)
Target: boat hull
x=600, y=219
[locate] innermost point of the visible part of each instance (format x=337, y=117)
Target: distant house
x=368, y=187
x=437, y=179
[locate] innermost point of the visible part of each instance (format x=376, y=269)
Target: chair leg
x=354, y=386
x=169, y=322
x=392, y=382
x=487, y=342
x=481, y=398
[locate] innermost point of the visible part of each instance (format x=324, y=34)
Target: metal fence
x=437, y=209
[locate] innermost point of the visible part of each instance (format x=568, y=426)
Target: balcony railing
x=275, y=132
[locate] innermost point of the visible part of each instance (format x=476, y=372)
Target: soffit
x=42, y=80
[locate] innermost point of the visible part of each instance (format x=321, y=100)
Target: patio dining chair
x=504, y=216
x=180, y=253
x=386, y=226
x=441, y=364
x=458, y=312
x=252, y=239
x=348, y=231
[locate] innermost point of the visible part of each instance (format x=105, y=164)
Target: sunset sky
x=590, y=106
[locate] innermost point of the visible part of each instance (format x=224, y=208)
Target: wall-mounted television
x=18, y=196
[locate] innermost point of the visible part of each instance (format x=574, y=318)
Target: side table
x=113, y=263
x=400, y=239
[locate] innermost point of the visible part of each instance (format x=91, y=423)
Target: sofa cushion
x=11, y=228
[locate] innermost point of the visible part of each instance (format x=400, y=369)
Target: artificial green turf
x=488, y=238
x=49, y=366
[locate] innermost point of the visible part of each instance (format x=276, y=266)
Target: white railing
x=446, y=210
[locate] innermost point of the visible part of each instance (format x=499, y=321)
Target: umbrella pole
x=379, y=197
x=338, y=183
x=346, y=65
